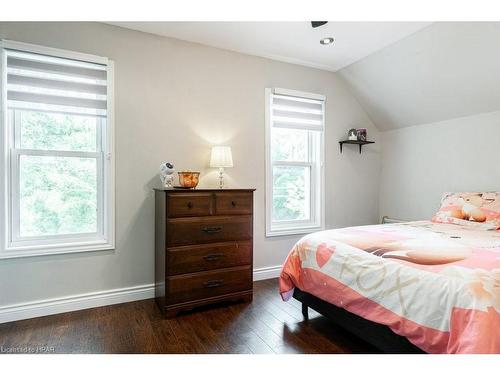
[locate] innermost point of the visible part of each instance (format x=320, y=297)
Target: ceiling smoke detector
x=326, y=41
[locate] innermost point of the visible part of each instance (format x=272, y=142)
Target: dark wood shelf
x=349, y=142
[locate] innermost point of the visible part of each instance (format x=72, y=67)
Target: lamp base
x=221, y=178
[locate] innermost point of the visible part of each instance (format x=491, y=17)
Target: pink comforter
x=436, y=284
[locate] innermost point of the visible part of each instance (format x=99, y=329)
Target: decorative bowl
x=188, y=179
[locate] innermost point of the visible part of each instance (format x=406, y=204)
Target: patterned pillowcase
x=479, y=210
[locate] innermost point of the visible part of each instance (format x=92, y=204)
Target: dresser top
x=203, y=190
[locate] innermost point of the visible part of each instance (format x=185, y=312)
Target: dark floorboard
x=266, y=325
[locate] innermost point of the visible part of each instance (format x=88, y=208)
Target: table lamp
x=221, y=158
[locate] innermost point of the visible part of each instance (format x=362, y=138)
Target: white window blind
x=49, y=83
x=293, y=112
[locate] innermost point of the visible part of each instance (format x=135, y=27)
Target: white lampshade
x=221, y=157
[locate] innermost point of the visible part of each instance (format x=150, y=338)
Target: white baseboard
x=266, y=273
x=53, y=306
x=76, y=302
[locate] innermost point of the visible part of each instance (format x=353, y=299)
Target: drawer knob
x=212, y=230
x=213, y=283
x=212, y=257
x=190, y=205
x=233, y=203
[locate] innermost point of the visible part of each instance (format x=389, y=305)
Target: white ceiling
x=294, y=42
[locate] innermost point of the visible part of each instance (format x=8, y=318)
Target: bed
x=406, y=287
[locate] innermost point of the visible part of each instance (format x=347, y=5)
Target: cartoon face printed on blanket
x=439, y=245
x=484, y=285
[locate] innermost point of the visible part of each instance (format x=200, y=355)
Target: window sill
x=293, y=231
x=69, y=248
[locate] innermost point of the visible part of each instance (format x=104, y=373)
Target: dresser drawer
x=195, y=258
x=199, y=230
x=201, y=285
x=229, y=203
x=190, y=204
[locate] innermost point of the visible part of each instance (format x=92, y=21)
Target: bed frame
x=379, y=335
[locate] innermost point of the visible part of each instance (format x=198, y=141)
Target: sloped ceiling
x=444, y=71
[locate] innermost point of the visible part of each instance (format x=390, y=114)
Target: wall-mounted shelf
x=360, y=143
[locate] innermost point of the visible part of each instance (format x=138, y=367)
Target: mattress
x=436, y=284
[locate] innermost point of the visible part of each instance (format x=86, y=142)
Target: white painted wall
x=435, y=96
x=174, y=99
x=421, y=162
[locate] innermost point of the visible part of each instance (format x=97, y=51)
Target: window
x=294, y=162
x=57, y=147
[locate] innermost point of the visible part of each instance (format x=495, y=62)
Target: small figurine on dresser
x=167, y=174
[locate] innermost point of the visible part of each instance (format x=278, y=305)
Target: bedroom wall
x=173, y=100
x=421, y=162
x=434, y=95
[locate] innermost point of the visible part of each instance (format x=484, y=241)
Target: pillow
x=479, y=210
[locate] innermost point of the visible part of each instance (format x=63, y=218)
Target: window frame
x=317, y=171
x=104, y=238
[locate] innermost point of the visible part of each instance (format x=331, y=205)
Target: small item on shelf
x=361, y=134
x=352, y=134
x=167, y=174
x=188, y=179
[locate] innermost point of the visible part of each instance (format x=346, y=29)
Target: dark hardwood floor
x=267, y=325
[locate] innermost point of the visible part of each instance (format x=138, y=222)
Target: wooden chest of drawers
x=203, y=247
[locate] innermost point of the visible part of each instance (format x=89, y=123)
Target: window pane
x=58, y=195
x=53, y=131
x=289, y=144
x=291, y=193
